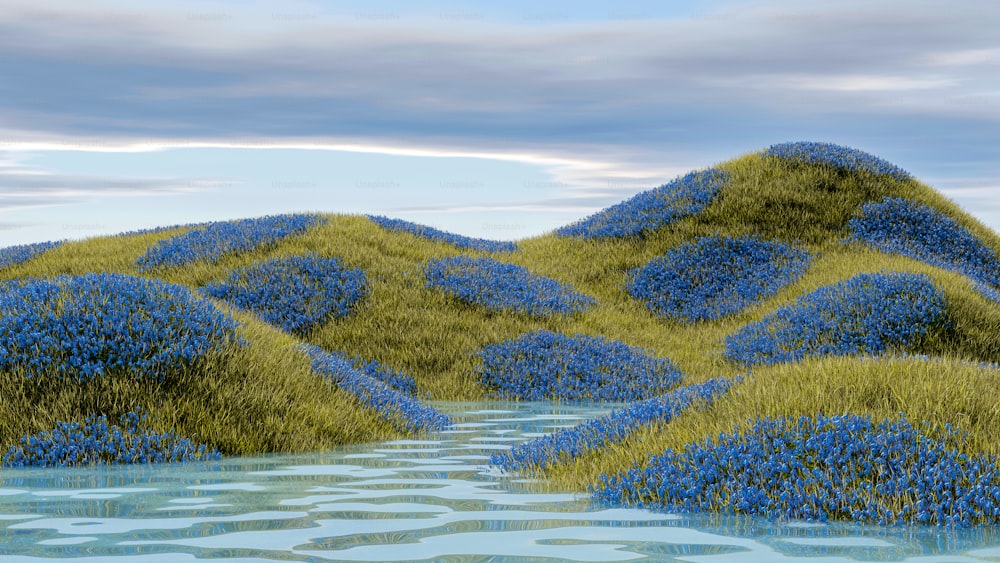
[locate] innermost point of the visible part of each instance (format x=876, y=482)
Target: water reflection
x=406, y=500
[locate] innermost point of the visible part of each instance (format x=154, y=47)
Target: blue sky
x=501, y=120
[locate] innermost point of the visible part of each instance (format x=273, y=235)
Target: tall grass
x=264, y=396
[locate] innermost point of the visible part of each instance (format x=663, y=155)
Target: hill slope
x=710, y=276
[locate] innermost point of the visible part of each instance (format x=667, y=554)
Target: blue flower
x=546, y=365
x=715, y=276
x=866, y=314
x=837, y=156
x=503, y=287
x=570, y=443
x=13, y=255
x=430, y=233
x=819, y=468
x=210, y=242
x=651, y=209
x=96, y=443
x=396, y=379
x=903, y=226
x=399, y=409
x=295, y=293
x=80, y=327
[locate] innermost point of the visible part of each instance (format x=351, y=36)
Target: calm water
x=426, y=500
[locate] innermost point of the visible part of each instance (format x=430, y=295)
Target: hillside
x=826, y=280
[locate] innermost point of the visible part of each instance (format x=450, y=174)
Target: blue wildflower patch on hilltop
x=866, y=314
x=212, y=241
x=570, y=443
x=76, y=328
x=13, y=255
x=500, y=286
x=543, y=365
x=837, y=156
x=821, y=468
x=96, y=443
x=715, y=276
x=294, y=292
x=903, y=226
x=397, y=408
x=651, y=209
x=430, y=233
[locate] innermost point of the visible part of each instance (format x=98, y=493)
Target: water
x=410, y=500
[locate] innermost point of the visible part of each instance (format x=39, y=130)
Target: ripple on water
x=406, y=500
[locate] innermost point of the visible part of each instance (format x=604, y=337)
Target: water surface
x=409, y=500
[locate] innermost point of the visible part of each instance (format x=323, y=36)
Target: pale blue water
x=413, y=500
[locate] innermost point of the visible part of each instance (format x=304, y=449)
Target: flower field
x=903, y=226
x=837, y=156
x=396, y=380
x=545, y=365
x=13, y=255
x=571, y=443
x=866, y=314
x=715, y=276
x=651, y=209
x=503, y=287
x=430, y=233
x=383, y=401
x=96, y=443
x=77, y=328
x=214, y=240
x=293, y=292
x=819, y=468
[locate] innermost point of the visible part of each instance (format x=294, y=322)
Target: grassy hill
x=783, y=222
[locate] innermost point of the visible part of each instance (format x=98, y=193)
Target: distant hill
x=830, y=280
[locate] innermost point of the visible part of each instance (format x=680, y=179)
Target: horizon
x=501, y=122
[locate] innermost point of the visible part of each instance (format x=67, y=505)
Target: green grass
x=264, y=397
x=937, y=391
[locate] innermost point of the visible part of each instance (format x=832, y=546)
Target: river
x=409, y=500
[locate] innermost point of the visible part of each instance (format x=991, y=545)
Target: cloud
x=26, y=187
x=600, y=102
x=864, y=83
x=358, y=76
x=965, y=58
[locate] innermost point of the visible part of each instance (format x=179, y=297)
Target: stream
x=431, y=499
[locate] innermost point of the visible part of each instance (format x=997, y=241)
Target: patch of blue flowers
x=715, y=276
x=396, y=379
x=13, y=255
x=837, y=156
x=211, y=241
x=294, y=292
x=866, y=314
x=96, y=443
x=570, y=443
x=903, y=226
x=77, y=328
x=651, y=209
x=543, y=365
x=819, y=468
x=430, y=233
x=987, y=291
x=399, y=409
x=503, y=287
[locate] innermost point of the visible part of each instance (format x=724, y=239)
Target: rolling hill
x=805, y=288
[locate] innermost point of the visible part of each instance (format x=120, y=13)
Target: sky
x=496, y=120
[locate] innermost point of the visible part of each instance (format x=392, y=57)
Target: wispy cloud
x=602, y=102
x=27, y=187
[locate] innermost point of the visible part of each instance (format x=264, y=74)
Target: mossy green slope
x=264, y=397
